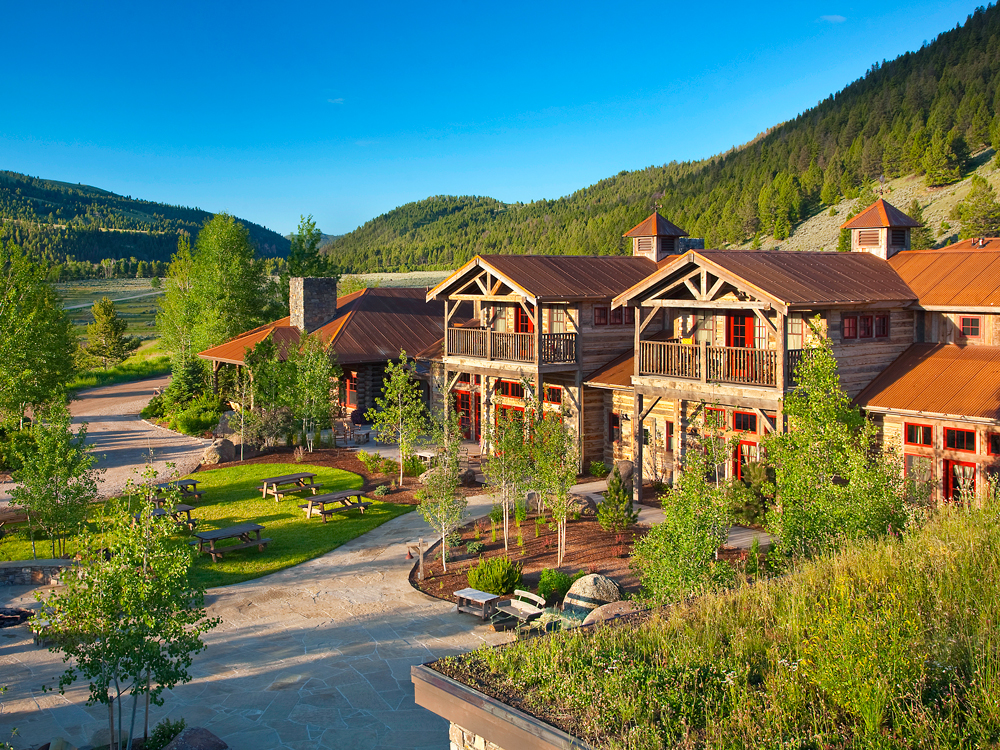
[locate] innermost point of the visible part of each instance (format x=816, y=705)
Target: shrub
x=202, y=414
x=615, y=513
x=163, y=733
x=357, y=417
x=496, y=575
x=155, y=409
x=413, y=466
x=381, y=491
x=520, y=512
x=389, y=467
x=599, y=469
x=454, y=539
x=265, y=427
x=496, y=514
x=372, y=461
x=474, y=548
x=299, y=454
x=553, y=584
x=11, y=445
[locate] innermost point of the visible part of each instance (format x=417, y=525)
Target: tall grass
x=888, y=644
x=134, y=368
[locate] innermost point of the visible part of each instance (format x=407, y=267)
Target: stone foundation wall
x=32, y=572
x=463, y=739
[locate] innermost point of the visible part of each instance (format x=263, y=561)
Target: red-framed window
x=866, y=326
x=351, y=389
x=744, y=421
x=670, y=437
x=740, y=330
x=959, y=479
x=993, y=444
x=960, y=440
x=744, y=452
x=918, y=434
x=629, y=316
x=971, y=326
x=522, y=321
x=614, y=428
x=617, y=316
x=553, y=394
x=918, y=468
x=715, y=418
x=511, y=389
x=600, y=316
x=849, y=327
x=882, y=326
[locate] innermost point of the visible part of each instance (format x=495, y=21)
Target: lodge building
x=639, y=352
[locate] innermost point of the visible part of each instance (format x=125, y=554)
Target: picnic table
x=247, y=533
x=188, y=490
x=476, y=602
x=426, y=456
x=338, y=502
x=176, y=513
x=303, y=480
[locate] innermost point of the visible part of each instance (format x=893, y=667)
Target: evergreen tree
x=942, y=163
x=304, y=258
x=106, y=337
x=980, y=212
x=615, y=513
x=921, y=237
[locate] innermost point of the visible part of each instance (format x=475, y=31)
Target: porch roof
x=616, y=374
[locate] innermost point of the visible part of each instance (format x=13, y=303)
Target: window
x=645, y=436
x=499, y=317
x=553, y=394
x=600, y=316
x=629, y=316
x=959, y=481
x=557, y=320
x=614, y=428
x=918, y=434
x=970, y=327
x=849, y=327
x=795, y=331
x=715, y=418
x=917, y=468
x=866, y=327
x=897, y=237
x=511, y=388
x=670, y=437
x=744, y=421
x=744, y=453
x=960, y=440
x=882, y=326
x=994, y=444
x=351, y=389
x=522, y=321
x=617, y=318
x=868, y=238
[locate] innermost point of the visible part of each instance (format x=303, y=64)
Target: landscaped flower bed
x=888, y=644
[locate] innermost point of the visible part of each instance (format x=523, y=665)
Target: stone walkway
x=316, y=656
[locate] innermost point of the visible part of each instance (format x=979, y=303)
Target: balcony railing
x=725, y=364
x=481, y=343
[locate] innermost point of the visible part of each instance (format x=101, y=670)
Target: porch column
x=215, y=376
x=637, y=446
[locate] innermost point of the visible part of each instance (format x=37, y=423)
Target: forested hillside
x=59, y=220
x=923, y=113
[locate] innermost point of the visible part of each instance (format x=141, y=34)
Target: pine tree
x=615, y=513
x=106, y=337
x=980, y=211
x=920, y=237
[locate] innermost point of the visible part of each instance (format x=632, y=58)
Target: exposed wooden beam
x=486, y=297
x=449, y=314
x=691, y=288
x=644, y=324
x=715, y=288
x=454, y=380
x=532, y=314
x=704, y=284
x=766, y=420
x=649, y=408
x=717, y=304
x=770, y=326
x=679, y=282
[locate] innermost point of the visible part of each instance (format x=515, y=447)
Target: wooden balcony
x=494, y=346
x=717, y=364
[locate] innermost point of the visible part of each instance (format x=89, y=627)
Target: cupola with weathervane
x=656, y=238
x=881, y=229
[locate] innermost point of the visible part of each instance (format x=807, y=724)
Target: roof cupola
x=656, y=238
x=881, y=229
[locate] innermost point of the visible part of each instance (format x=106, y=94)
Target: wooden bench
x=296, y=489
x=326, y=512
x=524, y=606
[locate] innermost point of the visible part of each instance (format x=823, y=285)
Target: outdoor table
x=188, y=490
x=426, y=456
x=247, y=533
x=339, y=501
x=476, y=602
x=303, y=479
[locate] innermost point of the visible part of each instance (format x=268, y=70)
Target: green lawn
x=142, y=364
x=231, y=497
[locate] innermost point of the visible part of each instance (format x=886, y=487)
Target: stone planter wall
x=32, y=572
x=462, y=739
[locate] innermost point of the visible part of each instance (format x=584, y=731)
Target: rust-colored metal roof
x=555, y=277
x=615, y=374
x=939, y=379
x=655, y=225
x=973, y=243
x=371, y=325
x=793, y=278
x=952, y=277
x=878, y=215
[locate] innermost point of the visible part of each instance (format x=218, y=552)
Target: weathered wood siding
x=860, y=361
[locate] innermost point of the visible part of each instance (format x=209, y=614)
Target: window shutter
x=897, y=237
x=868, y=237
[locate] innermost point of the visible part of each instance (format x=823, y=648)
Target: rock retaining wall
x=462, y=739
x=32, y=572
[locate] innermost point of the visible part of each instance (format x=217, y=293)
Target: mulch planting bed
x=346, y=459
x=588, y=547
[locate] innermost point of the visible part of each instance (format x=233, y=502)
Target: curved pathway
x=122, y=440
x=315, y=656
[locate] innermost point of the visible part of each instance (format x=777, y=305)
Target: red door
x=959, y=481
x=467, y=406
x=739, y=335
x=522, y=321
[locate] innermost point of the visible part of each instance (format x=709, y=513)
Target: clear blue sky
x=347, y=110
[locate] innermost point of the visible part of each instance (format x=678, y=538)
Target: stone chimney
x=312, y=301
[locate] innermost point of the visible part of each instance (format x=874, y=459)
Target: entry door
x=467, y=406
x=959, y=481
x=522, y=321
x=740, y=330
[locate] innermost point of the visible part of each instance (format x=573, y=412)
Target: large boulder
x=610, y=612
x=219, y=452
x=226, y=421
x=626, y=469
x=589, y=593
x=196, y=738
x=467, y=478
x=582, y=504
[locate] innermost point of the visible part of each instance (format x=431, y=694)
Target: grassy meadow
x=139, y=313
